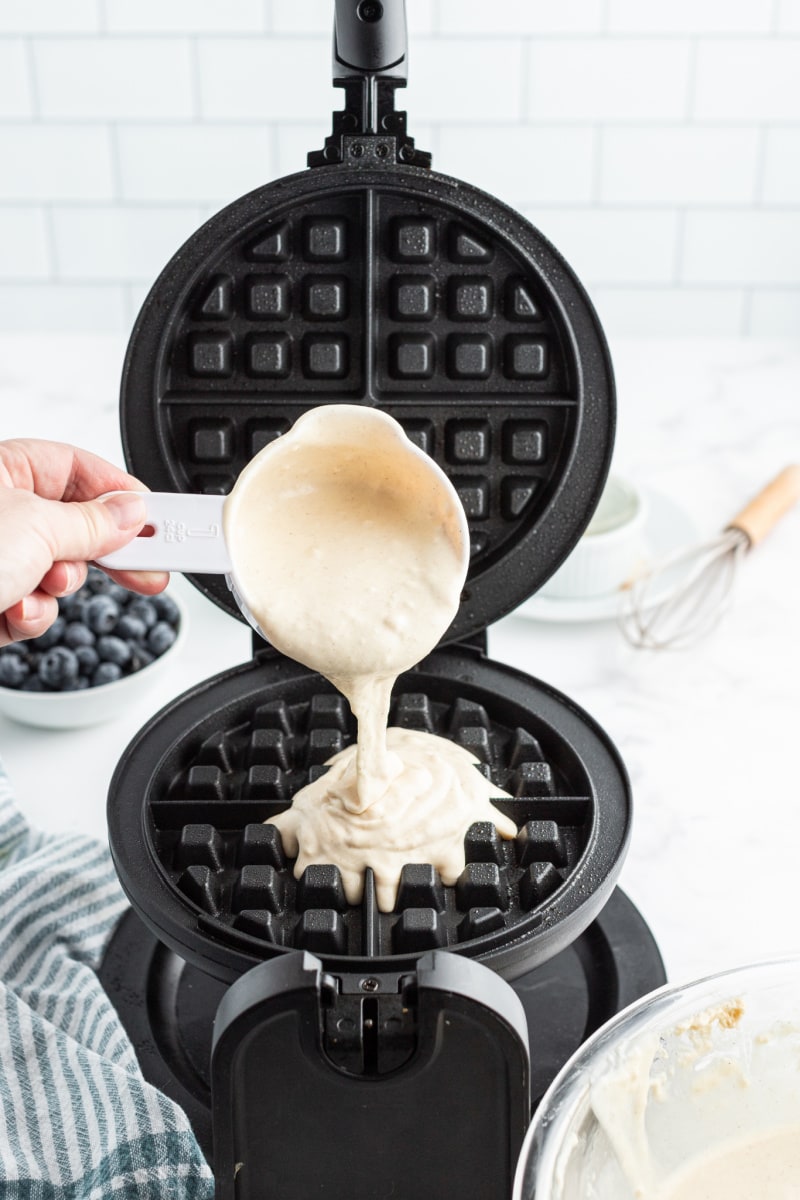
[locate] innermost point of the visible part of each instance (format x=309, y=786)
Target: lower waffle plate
x=191, y=800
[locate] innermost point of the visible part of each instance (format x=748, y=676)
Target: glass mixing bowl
x=683, y=1072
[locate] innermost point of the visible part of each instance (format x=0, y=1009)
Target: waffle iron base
x=167, y=1006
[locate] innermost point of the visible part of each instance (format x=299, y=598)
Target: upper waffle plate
x=405, y=290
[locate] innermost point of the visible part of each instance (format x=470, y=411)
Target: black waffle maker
x=321, y=1049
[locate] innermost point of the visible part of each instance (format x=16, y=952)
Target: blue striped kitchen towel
x=77, y=1120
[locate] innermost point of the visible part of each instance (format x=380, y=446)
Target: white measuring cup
x=186, y=532
x=182, y=532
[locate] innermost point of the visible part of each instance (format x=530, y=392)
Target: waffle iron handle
x=439, y=1110
x=370, y=60
x=182, y=533
x=370, y=36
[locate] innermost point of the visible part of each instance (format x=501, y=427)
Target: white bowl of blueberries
x=103, y=652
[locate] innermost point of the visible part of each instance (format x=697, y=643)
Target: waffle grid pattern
x=217, y=850
x=374, y=296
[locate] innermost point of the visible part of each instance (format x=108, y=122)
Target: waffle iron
x=322, y=1049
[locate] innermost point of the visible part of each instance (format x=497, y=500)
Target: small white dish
x=611, y=548
x=667, y=528
x=92, y=705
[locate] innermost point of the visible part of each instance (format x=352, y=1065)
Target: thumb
x=80, y=532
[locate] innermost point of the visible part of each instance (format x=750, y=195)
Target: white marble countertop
x=709, y=735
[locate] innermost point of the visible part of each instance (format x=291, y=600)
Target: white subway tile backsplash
x=612, y=246
x=316, y=16
x=135, y=296
x=532, y=164
x=520, y=16
x=257, y=78
x=679, y=165
x=754, y=79
x=657, y=147
x=294, y=143
x=108, y=78
x=670, y=311
x=185, y=16
x=758, y=247
x=464, y=80
x=620, y=79
x=781, y=183
x=690, y=16
x=24, y=245
x=775, y=313
x=50, y=16
x=44, y=162
x=193, y=162
x=16, y=92
x=789, y=16
x=119, y=244
x=63, y=308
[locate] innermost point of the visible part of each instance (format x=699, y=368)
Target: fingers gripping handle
x=186, y=536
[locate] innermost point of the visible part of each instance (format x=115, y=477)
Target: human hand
x=52, y=526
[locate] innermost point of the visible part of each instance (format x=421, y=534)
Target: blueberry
x=102, y=614
x=160, y=637
x=32, y=684
x=132, y=629
x=107, y=672
x=143, y=610
x=77, y=634
x=114, y=650
x=67, y=604
x=88, y=659
x=140, y=656
x=166, y=608
x=77, y=685
x=51, y=636
x=100, y=584
x=58, y=667
x=13, y=670
x=20, y=649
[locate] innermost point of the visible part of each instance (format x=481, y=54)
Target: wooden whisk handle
x=765, y=510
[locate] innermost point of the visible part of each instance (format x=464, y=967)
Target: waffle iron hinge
x=369, y=1024
x=370, y=56
x=365, y=1086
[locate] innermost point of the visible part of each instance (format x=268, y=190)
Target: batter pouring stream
x=351, y=554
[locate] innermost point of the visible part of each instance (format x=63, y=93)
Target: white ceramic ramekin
x=610, y=550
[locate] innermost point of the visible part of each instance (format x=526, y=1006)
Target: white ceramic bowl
x=681, y=1073
x=93, y=705
x=610, y=550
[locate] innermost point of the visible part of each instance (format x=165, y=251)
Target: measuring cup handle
x=182, y=533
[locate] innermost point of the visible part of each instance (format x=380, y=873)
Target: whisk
x=656, y=614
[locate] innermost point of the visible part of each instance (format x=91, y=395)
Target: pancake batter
x=765, y=1166
x=351, y=551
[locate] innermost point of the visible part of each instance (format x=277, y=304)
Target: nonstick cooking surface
x=189, y=801
x=401, y=289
